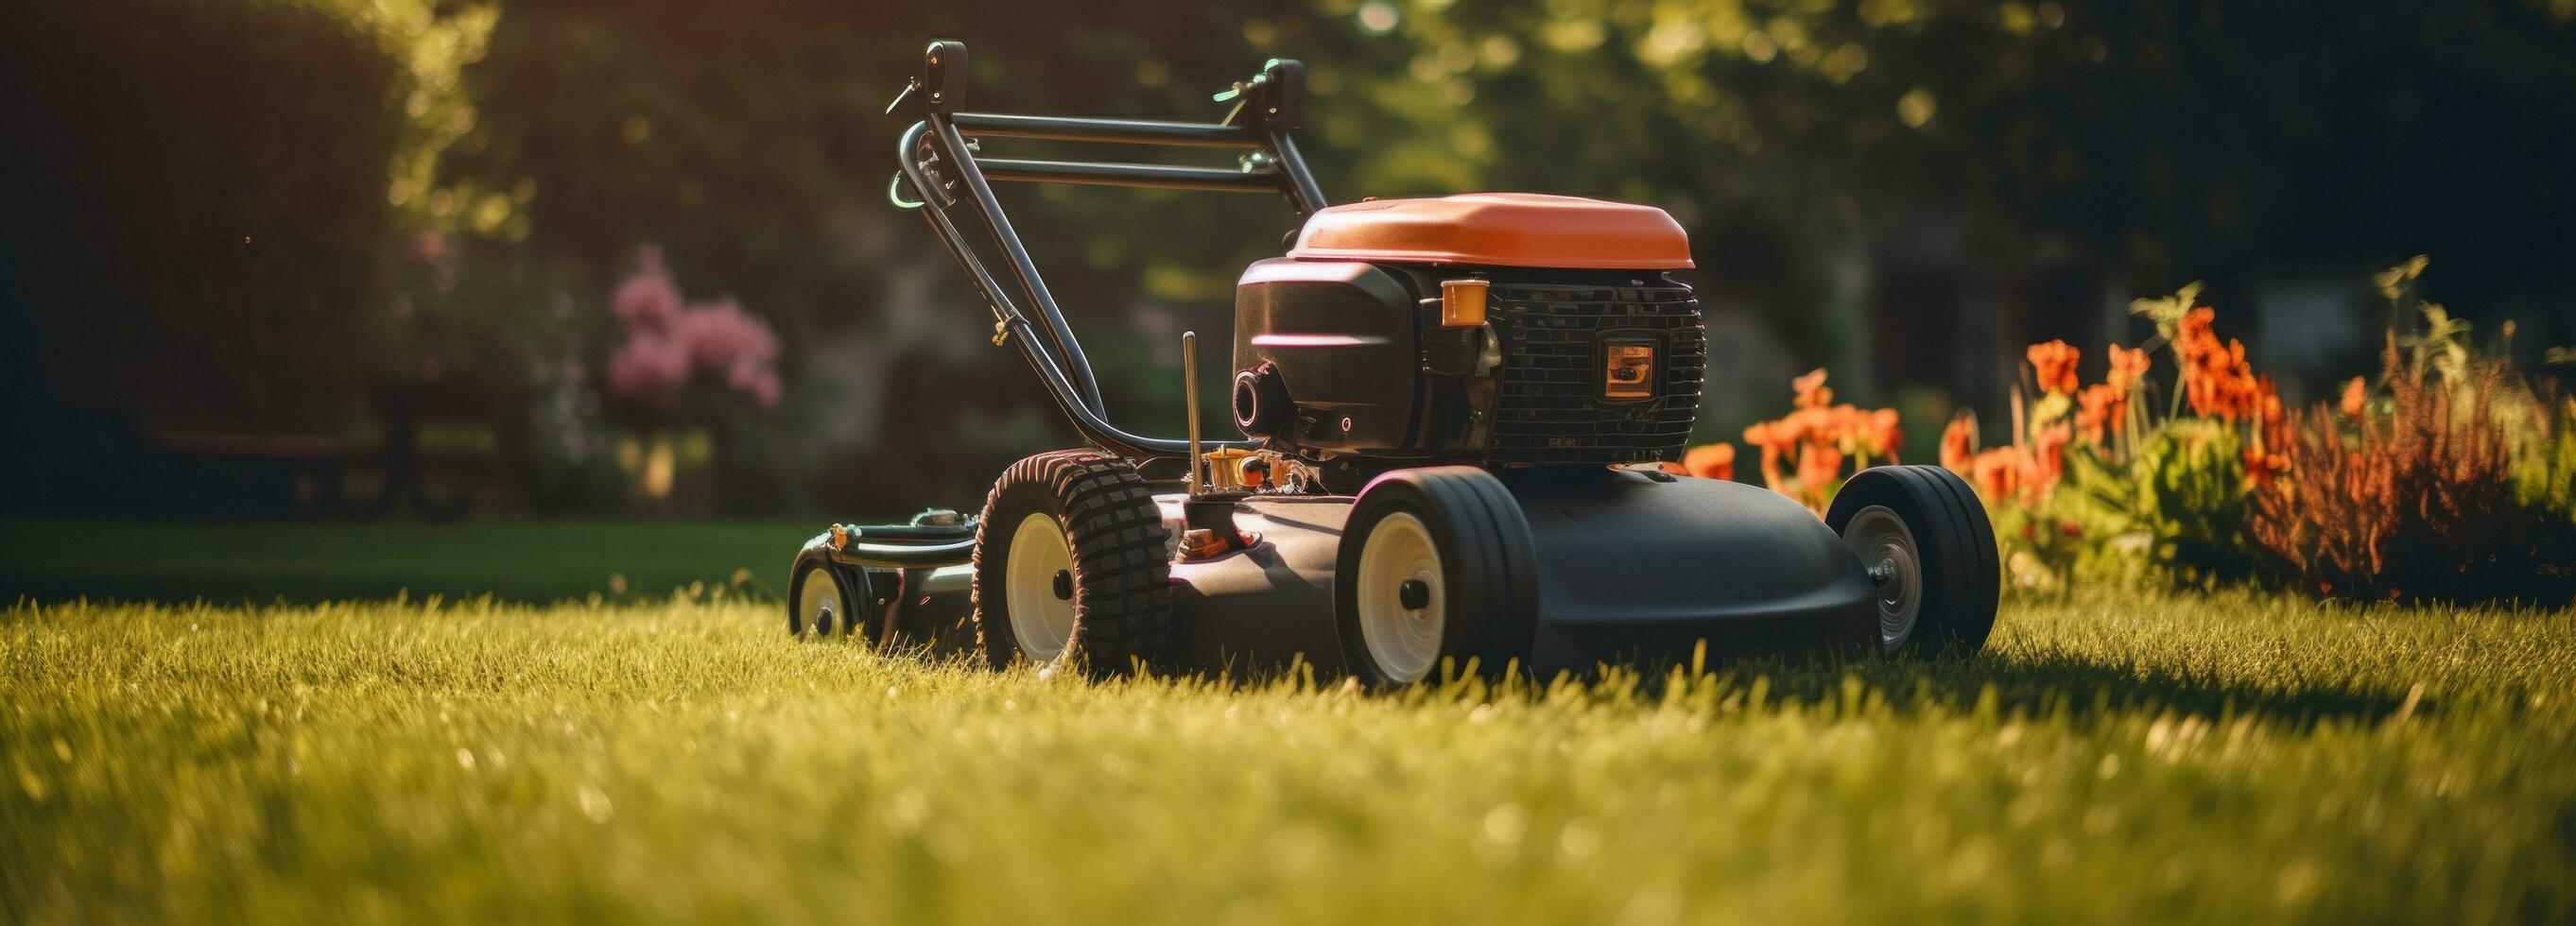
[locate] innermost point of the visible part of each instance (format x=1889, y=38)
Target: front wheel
x=1436, y=566
x=1927, y=545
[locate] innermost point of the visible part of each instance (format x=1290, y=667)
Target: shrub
x=2172, y=510
x=2454, y=488
x=2544, y=472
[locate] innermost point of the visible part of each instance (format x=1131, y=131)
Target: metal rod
x=1126, y=131
x=962, y=161
x=1190, y=397
x=1094, y=426
x=1165, y=176
x=1301, y=188
x=906, y=555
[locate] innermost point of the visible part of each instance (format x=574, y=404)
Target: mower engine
x=1508, y=330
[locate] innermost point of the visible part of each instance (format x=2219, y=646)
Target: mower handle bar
x=937, y=160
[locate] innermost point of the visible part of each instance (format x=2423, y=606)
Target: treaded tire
x=1960, y=577
x=1120, y=568
x=1488, y=571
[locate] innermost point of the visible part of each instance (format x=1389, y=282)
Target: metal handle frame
x=1266, y=111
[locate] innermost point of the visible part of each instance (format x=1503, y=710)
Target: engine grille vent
x=1550, y=410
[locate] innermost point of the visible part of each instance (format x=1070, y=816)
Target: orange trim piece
x=1497, y=230
x=1462, y=302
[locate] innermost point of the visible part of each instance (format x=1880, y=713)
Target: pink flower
x=649, y=300
x=720, y=335
x=666, y=342
x=649, y=369
x=761, y=385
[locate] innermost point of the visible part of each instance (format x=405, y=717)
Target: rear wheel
x=1926, y=543
x=1436, y=565
x=1071, y=567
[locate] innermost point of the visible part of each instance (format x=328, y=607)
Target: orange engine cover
x=1497, y=230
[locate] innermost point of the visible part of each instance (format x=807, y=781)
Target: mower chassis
x=1634, y=568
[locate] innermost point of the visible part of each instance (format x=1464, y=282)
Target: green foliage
x=2166, y=312
x=2172, y=512
x=432, y=42
x=2190, y=478
x=2544, y=472
x=196, y=223
x=2227, y=759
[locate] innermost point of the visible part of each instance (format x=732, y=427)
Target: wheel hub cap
x=1041, y=618
x=1878, y=535
x=818, y=602
x=1402, y=608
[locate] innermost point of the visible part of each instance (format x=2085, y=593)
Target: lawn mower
x=1455, y=415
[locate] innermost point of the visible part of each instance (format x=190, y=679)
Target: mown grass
x=2111, y=759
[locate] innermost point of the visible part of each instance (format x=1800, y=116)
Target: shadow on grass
x=2080, y=690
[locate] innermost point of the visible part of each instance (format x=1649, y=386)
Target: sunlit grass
x=2227, y=759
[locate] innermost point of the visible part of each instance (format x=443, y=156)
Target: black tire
x=842, y=596
x=1487, y=587
x=1118, y=580
x=1959, y=578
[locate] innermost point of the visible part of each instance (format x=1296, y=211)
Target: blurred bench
x=235, y=466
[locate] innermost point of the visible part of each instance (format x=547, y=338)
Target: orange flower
x=2272, y=424
x=2216, y=378
x=1763, y=434
x=2261, y=467
x=2356, y=395
x=2053, y=364
x=2196, y=335
x=1811, y=390
x=2128, y=366
x=1886, y=433
x=1813, y=440
x=1959, y=443
x=2001, y=473
x=1817, y=467
x=1713, y=461
x=2100, y=407
x=2049, y=455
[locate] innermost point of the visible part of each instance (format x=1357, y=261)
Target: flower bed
x=2452, y=476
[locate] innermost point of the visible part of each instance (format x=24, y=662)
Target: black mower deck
x=1737, y=567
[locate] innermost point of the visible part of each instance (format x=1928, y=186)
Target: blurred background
x=414, y=260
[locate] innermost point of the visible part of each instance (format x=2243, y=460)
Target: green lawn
x=2230, y=759
x=537, y=561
